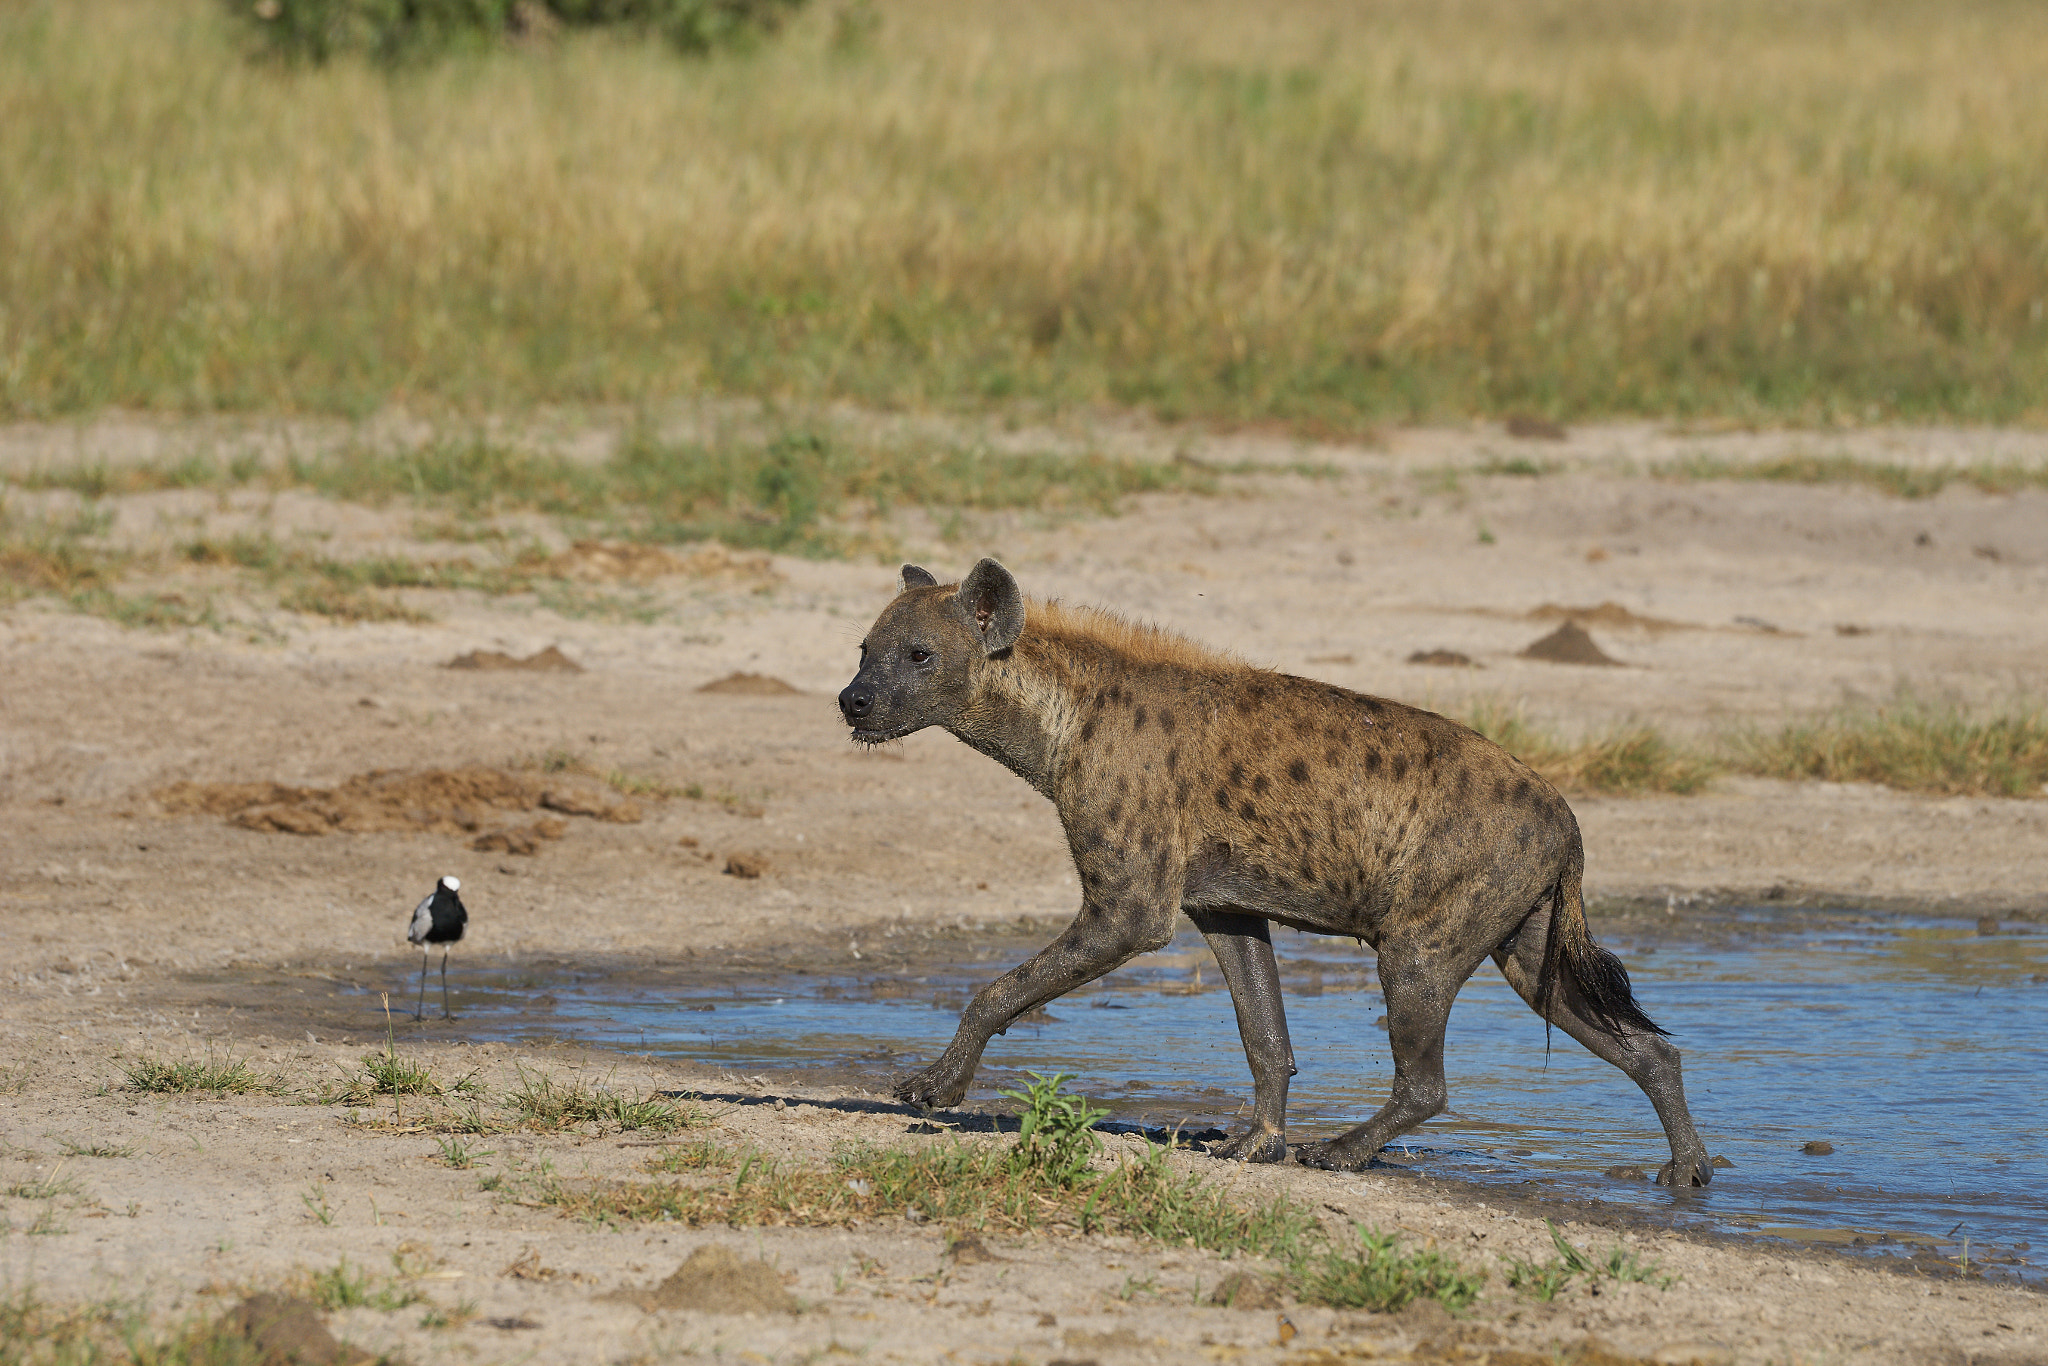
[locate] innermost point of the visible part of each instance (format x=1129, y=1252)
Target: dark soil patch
x=550, y=660
x=442, y=801
x=1529, y=427
x=1569, y=644
x=1445, y=659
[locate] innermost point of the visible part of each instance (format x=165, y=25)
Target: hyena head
x=921, y=658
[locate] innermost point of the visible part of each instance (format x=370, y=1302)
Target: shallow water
x=1917, y=1048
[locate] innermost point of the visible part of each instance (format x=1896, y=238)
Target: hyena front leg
x=1102, y=938
x=1243, y=946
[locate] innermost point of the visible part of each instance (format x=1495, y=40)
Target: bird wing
x=422, y=921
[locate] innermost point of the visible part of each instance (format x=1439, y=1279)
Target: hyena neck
x=1024, y=713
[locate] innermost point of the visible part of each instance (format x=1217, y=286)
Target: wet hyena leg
x=1244, y=950
x=1419, y=990
x=1097, y=942
x=1651, y=1062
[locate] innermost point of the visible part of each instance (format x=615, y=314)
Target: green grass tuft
x=225, y=1076
x=1378, y=1276
x=1911, y=744
x=1630, y=759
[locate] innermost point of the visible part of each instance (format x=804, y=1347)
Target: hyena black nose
x=856, y=702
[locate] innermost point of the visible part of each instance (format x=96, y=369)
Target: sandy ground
x=128, y=926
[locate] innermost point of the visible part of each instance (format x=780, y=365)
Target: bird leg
x=446, y=1013
x=420, y=1011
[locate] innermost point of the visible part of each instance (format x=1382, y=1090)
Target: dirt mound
x=441, y=801
x=611, y=562
x=1445, y=659
x=1569, y=644
x=1611, y=615
x=288, y=1332
x=750, y=685
x=549, y=659
x=716, y=1280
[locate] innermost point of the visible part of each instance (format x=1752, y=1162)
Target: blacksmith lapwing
x=437, y=920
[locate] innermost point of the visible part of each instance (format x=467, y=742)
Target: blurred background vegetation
x=1326, y=213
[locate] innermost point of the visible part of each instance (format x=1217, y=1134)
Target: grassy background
x=1328, y=214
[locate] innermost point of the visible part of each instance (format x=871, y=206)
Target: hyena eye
x=920, y=656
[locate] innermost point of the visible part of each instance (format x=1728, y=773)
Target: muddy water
x=1916, y=1049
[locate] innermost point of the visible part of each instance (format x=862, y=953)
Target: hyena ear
x=915, y=576
x=992, y=604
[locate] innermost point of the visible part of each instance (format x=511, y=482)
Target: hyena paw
x=935, y=1088
x=1690, y=1171
x=1332, y=1156
x=1254, y=1145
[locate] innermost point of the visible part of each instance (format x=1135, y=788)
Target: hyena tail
x=1598, y=981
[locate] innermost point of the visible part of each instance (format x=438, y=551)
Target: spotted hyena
x=1188, y=782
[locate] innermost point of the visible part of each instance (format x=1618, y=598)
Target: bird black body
x=440, y=919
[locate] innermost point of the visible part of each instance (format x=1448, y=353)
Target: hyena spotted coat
x=1188, y=782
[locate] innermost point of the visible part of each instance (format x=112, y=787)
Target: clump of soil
x=602, y=562
x=1529, y=427
x=746, y=865
x=1243, y=1290
x=1569, y=644
x=288, y=1332
x=967, y=1249
x=550, y=659
x=1611, y=615
x=441, y=801
x=1445, y=659
x=749, y=685
x=716, y=1280
x=520, y=839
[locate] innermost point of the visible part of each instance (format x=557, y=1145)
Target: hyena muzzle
x=1190, y=783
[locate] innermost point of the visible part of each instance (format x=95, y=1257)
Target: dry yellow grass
x=1329, y=211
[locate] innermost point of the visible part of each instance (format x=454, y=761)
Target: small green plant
x=347, y=1287
x=1380, y=1277
x=456, y=1152
x=688, y=1157
x=1547, y=1280
x=391, y=1075
x=228, y=1075
x=315, y=1201
x=70, y=1149
x=44, y=1187
x=1056, y=1131
x=545, y=1103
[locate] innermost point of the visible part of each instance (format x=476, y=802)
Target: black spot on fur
x=1223, y=797
x=1330, y=756
x=1372, y=761
x=1173, y=760
x=1248, y=811
x=1166, y=720
x=1138, y=721
x=1088, y=729
x=1522, y=789
x=1259, y=784
x=1181, y=791
x=1298, y=770
x=1400, y=767
x=1236, y=774
x=1414, y=804
x=1116, y=812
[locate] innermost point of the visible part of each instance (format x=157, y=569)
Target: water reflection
x=1916, y=1049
